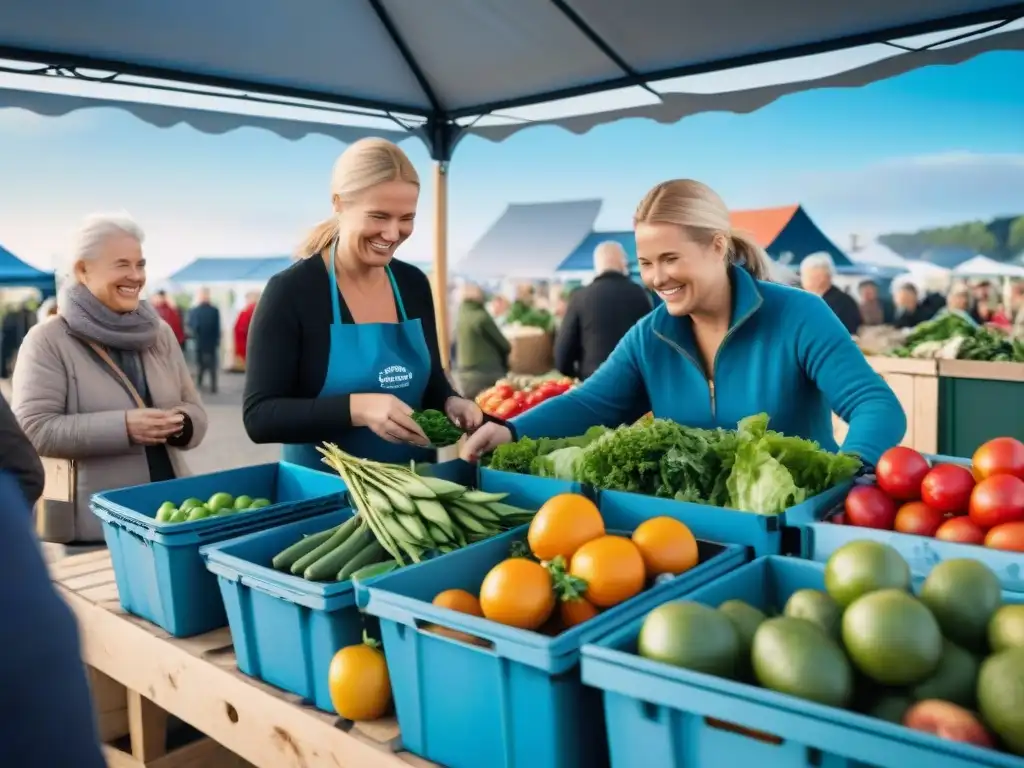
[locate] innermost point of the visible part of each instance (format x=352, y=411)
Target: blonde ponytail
x=364, y=164
x=745, y=252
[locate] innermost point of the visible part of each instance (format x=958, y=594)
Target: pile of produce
x=504, y=400
x=949, y=502
x=751, y=468
x=218, y=505
x=438, y=428
x=952, y=337
x=570, y=569
x=949, y=661
x=523, y=314
x=400, y=518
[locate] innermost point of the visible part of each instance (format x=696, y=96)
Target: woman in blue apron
x=343, y=344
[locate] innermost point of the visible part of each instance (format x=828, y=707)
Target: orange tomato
x=1008, y=536
x=454, y=634
x=576, y=611
x=359, y=683
x=666, y=545
x=459, y=600
x=613, y=568
x=519, y=593
x=564, y=524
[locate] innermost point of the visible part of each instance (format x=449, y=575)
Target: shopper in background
x=18, y=457
x=344, y=342
x=242, y=323
x=499, y=307
x=106, y=384
x=205, y=329
x=982, y=305
x=48, y=719
x=170, y=315
x=910, y=310
x=725, y=344
x=599, y=315
x=816, y=273
x=958, y=302
x=874, y=309
x=483, y=348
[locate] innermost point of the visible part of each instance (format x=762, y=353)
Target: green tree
x=1015, y=241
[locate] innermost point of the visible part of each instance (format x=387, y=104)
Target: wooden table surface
x=197, y=680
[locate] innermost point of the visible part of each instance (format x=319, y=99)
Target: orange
x=519, y=593
x=359, y=683
x=564, y=524
x=576, y=611
x=613, y=568
x=459, y=600
x=666, y=545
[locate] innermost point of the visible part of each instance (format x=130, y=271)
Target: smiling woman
x=343, y=344
x=105, y=385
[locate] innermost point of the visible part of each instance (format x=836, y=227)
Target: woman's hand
x=388, y=417
x=152, y=426
x=465, y=414
x=485, y=440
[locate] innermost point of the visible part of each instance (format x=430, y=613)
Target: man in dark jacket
x=599, y=315
x=816, y=273
x=48, y=719
x=18, y=457
x=910, y=310
x=204, y=328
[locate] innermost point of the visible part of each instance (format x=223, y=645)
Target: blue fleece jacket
x=785, y=354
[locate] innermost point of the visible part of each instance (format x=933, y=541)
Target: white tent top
x=924, y=268
x=487, y=67
x=983, y=266
x=878, y=255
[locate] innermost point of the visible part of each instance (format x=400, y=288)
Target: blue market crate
x=763, y=533
x=285, y=629
x=659, y=716
x=515, y=699
x=525, y=491
x=159, y=573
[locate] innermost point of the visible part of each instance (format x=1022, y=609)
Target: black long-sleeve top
x=289, y=349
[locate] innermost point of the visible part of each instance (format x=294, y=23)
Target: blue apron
x=368, y=358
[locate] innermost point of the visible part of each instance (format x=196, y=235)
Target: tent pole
x=440, y=281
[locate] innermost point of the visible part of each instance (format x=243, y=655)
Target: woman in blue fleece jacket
x=724, y=344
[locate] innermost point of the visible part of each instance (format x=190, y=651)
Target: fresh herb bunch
x=438, y=428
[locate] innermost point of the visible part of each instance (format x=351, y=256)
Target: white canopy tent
x=877, y=255
x=983, y=266
x=347, y=68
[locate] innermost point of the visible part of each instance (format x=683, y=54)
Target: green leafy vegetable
x=438, y=428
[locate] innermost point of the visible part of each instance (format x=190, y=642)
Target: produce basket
x=159, y=572
x=503, y=696
x=285, y=629
x=659, y=716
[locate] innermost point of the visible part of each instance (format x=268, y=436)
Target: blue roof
x=15, y=272
x=582, y=258
x=227, y=269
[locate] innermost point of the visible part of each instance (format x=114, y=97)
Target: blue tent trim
x=226, y=269
x=799, y=239
x=16, y=273
x=582, y=258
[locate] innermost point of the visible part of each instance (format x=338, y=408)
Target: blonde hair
x=364, y=164
x=702, y=214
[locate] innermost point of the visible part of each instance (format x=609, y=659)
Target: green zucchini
x=368, y=555
x=339, y=537
x=373, y=570
x=284, y=559
x=327, y=566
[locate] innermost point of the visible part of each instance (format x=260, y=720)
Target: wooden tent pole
x=440, y=281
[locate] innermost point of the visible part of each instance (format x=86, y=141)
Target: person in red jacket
x=170, y=315
x=242, y=327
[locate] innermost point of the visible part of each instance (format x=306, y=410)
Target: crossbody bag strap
x=106, y=358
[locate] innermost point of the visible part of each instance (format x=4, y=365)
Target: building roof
x=763, y=224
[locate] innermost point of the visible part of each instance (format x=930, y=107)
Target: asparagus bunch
x=411, y=515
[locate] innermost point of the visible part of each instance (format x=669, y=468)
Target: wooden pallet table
x=141, y=677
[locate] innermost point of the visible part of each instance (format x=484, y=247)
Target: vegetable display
x=218, y=505
x=948, y=661
x=438, y=428
x=401, y=518
x=523, y=314
x=506, y=400
x=946, y=501
x=952, y=337
x=751, y=468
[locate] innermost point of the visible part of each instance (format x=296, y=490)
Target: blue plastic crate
x=516, y=703
x=525, y=491
x=285, y=629
x=159, y=573
x=659, y=716
x=763, y=533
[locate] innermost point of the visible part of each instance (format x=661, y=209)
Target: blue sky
x=937, y=145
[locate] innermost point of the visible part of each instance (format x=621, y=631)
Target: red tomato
x=918, y=518
x=996, y=500
x=868, y=507
x=839, y=519
x=900, y=471
x=1008, y=536
x=962, y=530
x=507, y=409
x=504, y=389
x=520, y=396
x=947, y=488
x=1000, y=456
x=534, y=398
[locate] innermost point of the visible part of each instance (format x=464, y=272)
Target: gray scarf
x=87, y=316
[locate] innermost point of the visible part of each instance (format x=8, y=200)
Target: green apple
x=189, y=503
x=219, y=501
x=243, y=502
x=259, y=504
x=199, y=513
x=166, y=512
x=181, y=516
